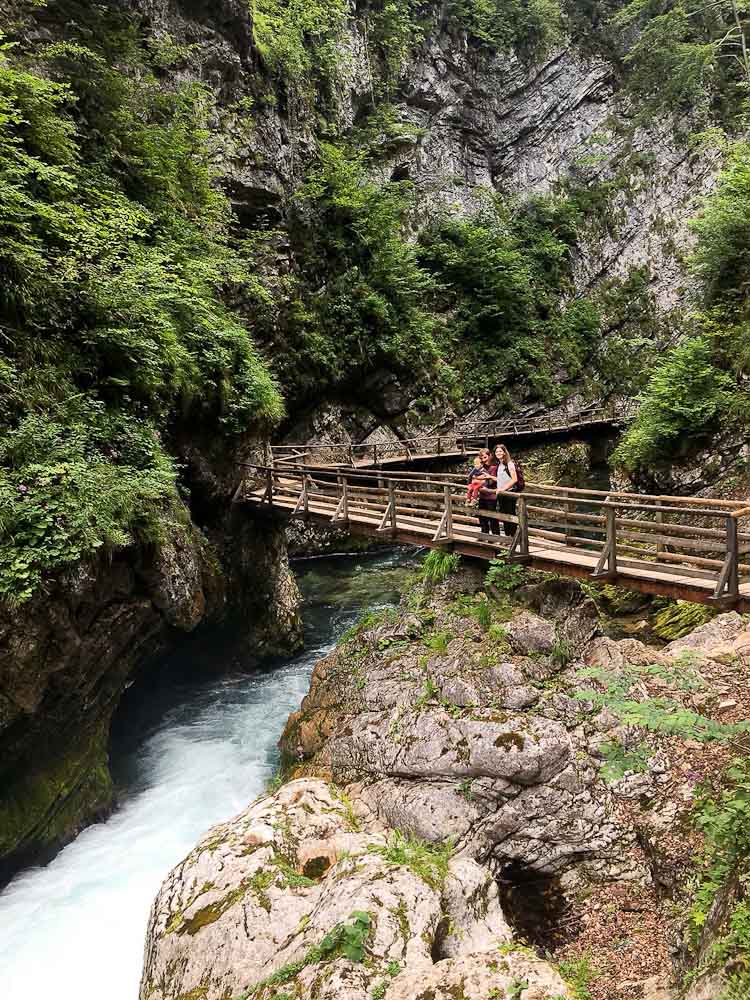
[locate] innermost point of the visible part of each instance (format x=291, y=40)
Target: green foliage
x=347, y=939
x=561, y=653
x=720, y=260
x=658, y=715
x=438, y=641
x=724, y=819
x=482, y=611
x=618, y=761
x=365, y=623
x=427, y=861
x=430, y=692
x=359, y=301
x=380, y=989
x=685, y=55
x=680, y=617
x=633, y=326
x=504, y=575
x=530, y=27
x=701, y=383
x=438, y=566
x=579, y=973
x=299, y=39
x=685, y=394
x=502, y=276
x=516, y=989
x=116, y=255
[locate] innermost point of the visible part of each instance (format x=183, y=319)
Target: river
x=190, y=749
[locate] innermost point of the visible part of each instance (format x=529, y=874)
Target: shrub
x=724, y=819
x=502, y=276
x=686, y=393
x=504, y=575
x=439, y=565
x=116, y=253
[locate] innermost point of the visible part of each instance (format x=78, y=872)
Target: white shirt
x=503, y=477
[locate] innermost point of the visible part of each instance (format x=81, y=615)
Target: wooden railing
x=547, y=423
x=467, y=435
x=691, y=547
x=368, y=453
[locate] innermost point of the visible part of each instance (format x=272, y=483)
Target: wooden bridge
x=450, y=445
x=688, y=548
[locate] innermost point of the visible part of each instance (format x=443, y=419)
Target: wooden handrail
x=629, y=537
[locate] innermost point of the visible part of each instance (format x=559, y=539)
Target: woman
x=487, y=499
x=507, y=480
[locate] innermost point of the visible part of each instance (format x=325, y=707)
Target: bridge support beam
x=302, y=507
x=341, y=514
x=519, y=546
x=389, y=521
x=444, y=531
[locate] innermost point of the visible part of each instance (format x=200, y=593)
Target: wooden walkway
x=467, y=436
x=688, y=548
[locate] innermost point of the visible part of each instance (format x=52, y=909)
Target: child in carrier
x=477, y=479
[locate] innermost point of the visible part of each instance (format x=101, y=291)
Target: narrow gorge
x=233, y=224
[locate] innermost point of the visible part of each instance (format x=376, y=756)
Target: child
x=477, y=479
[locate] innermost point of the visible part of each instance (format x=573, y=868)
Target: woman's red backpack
x=520, y=483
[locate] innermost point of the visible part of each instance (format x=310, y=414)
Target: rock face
x=459, y=735
x=259, y=904
x=473, y=121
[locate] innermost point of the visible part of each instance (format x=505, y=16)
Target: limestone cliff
x=471, y=120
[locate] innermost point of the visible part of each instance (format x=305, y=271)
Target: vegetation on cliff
x=117, y=257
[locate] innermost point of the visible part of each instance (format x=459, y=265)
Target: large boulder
x=299, y=895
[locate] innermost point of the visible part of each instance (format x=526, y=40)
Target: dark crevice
x=535, y=906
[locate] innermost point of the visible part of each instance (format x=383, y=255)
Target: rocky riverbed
x=485, y=797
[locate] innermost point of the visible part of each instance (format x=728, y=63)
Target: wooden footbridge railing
x=450, y=444
x=694, y=549
x=566, y=420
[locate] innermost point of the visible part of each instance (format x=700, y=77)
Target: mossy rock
x=49, y=806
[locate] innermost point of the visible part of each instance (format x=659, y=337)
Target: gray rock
x=528, y=633
x=259, y=892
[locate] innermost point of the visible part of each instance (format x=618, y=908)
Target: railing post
x=608, y=557
x=612, y=539
x=306, y=499
x=375, y=454
x=523, y=527
x=392, y=503
x=269, y=486
x=448, y=501
x=733, y=578
x=351, y=456
x=567, y=516
x=438, y=444
x=344, y=499
x=659, y=519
